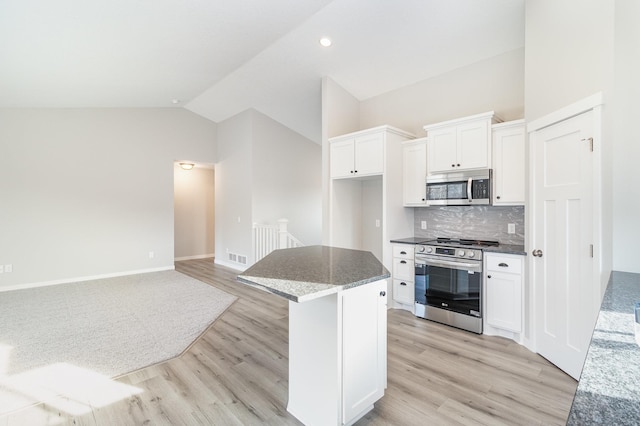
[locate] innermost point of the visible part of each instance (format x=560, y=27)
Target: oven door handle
x=455, y=265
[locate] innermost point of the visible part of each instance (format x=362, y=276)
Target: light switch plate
x=423, y=224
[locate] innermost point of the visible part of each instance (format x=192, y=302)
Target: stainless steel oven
x=448, y=285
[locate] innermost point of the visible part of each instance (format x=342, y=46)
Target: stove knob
x=421, y=249
x=461, y=253
x=471, y=254
x=429, y=249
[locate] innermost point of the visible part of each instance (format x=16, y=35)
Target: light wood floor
x=236, y=374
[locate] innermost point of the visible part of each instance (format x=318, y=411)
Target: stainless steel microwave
x=468, y=188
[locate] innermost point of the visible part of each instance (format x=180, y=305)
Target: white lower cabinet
x=503, y=294
x=338, y=354
x=403, y=275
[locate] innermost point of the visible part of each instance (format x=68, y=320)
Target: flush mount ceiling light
x=325, y=42
x=186, y=166
x=175, y=101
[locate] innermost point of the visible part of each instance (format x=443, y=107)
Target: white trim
x=576, y=108
x=485, y=115
x=85, y=278
x=507, y=124
x=199, y=256
x=230, y=265
x=373, y=130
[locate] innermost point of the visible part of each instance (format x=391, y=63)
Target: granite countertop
x=307, y=273
x=609, y=388
x=502, y=248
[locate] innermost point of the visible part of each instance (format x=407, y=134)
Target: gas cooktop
x=462, y=242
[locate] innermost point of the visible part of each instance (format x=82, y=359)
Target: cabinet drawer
x=404, y=251
x=508, y=264
x=403, y=291
x=404, y=269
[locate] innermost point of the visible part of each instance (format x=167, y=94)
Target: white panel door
x=562, y=189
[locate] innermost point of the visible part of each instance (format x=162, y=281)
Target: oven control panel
x=463, y=253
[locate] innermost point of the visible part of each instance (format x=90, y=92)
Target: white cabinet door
x=369, y=158
x=509, y=163
x=342, y=159
x=414, y=172
x=503, y=290
x=473, y=145
x=364, y=341
x=442, y=150
x=504, y=301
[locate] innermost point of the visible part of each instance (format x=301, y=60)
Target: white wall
x=626, y=199
x=233, y=188
x=264, y=172
x=340, y=115
x=86, y=192
x=568, y=54
x=287, y=179
x=493, y=84
x=194, y=214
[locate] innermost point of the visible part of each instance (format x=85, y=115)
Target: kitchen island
x=337, y=329
x=609, y=388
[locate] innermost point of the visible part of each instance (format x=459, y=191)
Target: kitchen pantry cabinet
x=503, y=283
x=508, y=163
x=366, y=210
x=414, y=172
x=403, y=275
x=461, y=144
x=353, y=156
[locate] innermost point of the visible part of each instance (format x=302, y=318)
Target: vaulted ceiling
x=220, y=57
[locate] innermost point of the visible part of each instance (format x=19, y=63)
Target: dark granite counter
x=307, y=273
x=410, y=240
x=609, y=388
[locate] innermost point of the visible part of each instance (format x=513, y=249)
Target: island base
x=338, y=355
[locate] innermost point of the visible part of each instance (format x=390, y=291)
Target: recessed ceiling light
x=325, y=41
x=175, y=101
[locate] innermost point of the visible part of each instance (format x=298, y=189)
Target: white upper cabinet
x=414, y=172
x=509, y=163
x=357, y=155
x=460, y=144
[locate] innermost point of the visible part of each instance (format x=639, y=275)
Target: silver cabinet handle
x=537, y=253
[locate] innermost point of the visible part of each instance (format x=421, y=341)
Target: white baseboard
x=86, y=278
x=200, y=256
x=231, y=265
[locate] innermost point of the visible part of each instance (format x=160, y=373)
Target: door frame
x=601, y=243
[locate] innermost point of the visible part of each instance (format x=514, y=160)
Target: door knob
x=537, y=253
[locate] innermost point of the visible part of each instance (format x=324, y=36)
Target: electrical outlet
x=511, y=228
x=377, y=223
x=423, y=224
x=151, y=255
x=8, y=268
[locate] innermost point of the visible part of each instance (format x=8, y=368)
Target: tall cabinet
x=365, y=191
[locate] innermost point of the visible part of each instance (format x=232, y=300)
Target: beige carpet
x=98, y=329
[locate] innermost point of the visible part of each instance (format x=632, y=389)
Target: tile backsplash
x=477, y=222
